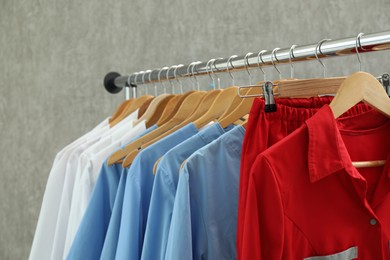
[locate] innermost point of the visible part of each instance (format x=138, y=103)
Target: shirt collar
x=327, y=153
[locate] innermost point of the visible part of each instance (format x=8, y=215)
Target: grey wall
x=54, y=55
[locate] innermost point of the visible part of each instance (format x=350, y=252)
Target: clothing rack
x=114, y=82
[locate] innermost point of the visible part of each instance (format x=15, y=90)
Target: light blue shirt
x=89, y=238
x=91, y=234
x=138, y=189
x=204, y=217
x=164, y=190
x=111, y=241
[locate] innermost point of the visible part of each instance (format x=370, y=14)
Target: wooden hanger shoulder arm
x=360, y=86
x=220, y=104
x=130, y=158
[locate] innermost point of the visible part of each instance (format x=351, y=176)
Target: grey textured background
x=54, y=55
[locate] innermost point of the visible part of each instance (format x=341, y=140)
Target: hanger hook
x=260, y=58
x=136, y=76
x=176, y=78
x=159, y=78
x=246, y=63
x=189, y=72
x=208, y=66
x=129, y=78
x=229, y=61
x=290, y=58
x=169, y=80
x=357, y=46
x=127, y=89
x=150, y=81
x=143, y=75
x=212, y=70
x=193, y=74
x=273, y=55
x=143, y=80
x=318, y=50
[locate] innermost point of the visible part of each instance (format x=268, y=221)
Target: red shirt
x=305, y=198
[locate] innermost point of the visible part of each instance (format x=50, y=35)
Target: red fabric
x=305, y=198
x=265, y=129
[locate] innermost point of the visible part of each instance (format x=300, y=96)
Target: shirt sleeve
x=180, y=236
x=128, y=246
x=111, y=240
x=264, y=222
x=45, y=231
x=76, y=212
x=64, y=207
x=159, y=217
x=90, y=236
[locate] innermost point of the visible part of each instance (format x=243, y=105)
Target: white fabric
x=72, y=167
x=66, y=198
x=45, y=230
x=130, y=118
x=89, y=166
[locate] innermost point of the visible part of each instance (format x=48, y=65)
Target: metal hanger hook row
x=215, y=74
x=318, y=50
x=193, y=73
x=260, y=58
x=290, y=58
x=229, y=61
x=273, y=55
x=357, y=47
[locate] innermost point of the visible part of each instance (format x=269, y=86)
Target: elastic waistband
x=300, y=109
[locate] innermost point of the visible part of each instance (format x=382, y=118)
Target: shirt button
x=373, y=222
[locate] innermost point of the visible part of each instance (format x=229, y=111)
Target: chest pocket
x=350, y=253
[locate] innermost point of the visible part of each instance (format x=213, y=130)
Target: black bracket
x=270, y=105
x=386, y=83
x=109, y=82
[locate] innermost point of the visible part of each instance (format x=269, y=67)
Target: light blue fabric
x=91, y=234
x=111, y=241
x=204, y=217
x=138, y=189
x=164, y=190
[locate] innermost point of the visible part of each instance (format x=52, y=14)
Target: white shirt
x=72, y=167
x=45, y=230
x=90, y=163
x=66, y=197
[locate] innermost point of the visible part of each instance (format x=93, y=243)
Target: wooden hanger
x=202, y=108
x=120, y=109
x=220, y=104
x=142, y=109
x=243, y=121
x=289, y=88
x=156, y=164
x=155, y=110
x=361, y=86
x=172, y=107
x=241, y=109
x=235, y=103
x=308, y=87
x=136, y=104
x=187, y=108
